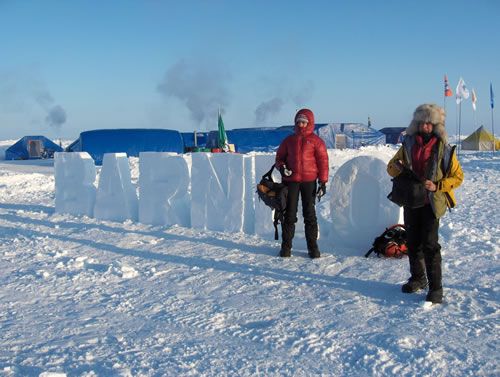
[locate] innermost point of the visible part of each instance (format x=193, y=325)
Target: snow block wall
x=359, y=207
x=164, y=189
x=75, y=174
x=116, y=195
x=217, y=191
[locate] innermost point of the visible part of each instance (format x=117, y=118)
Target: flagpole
x=459, y=126
x=493, y=129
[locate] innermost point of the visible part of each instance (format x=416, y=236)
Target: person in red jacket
x=302, y=159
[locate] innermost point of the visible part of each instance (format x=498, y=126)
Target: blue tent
x=393, y=135
x=201, y=139
x=253, y=139
x=32, y=147
x=128, y=140
x=349, y=135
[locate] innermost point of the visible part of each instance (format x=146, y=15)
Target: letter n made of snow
x=217, y=191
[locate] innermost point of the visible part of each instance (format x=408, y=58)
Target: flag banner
x=461, y=92
x=492, y=103
x=222, y=137
x=447, y=90
x=473, y=99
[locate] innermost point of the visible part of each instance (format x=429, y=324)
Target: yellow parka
x=445, y=172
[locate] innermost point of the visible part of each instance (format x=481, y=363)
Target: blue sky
x=70, y=66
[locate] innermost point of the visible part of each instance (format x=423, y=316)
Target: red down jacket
x=304, y=153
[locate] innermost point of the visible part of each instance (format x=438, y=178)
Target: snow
x=163, y=200
x=218, y=191
x=116, y=198
x=75, y=174
x=360, y=206
x=88, y=297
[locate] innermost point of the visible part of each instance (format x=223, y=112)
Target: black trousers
x=424, y=251
x=307, y=191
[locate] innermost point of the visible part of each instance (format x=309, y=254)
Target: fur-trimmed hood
x=432, y=113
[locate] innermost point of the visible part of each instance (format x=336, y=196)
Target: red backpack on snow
x=391, y=243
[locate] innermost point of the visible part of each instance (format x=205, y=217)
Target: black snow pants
x=307, y=191
x=424, y=251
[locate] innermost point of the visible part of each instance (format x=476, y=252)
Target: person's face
x=426, y=128
x=301, y=123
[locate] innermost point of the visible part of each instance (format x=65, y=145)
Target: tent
x=32, y=147
x=128, y=140
x=263, y=139
x=393, y=135
x=480, y=140
x=349, y=135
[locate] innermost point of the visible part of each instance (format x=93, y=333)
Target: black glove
x=321, y=190
x=285, y=172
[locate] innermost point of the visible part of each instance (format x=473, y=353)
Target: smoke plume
x=202, y=89
x=268, y=108
x=19, y=92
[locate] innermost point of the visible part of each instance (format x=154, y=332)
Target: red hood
x=309, y=129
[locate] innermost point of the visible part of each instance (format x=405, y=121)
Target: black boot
x=414, y=285
x=434, y=276
x=314, y=253
x=435, y=296
x=285, y=253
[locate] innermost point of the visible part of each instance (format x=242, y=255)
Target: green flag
x=222, y=137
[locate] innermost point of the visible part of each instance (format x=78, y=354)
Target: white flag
x=462, y=92
x=473, y=99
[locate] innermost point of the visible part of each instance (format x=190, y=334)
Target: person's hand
x=321, y=190
x=429, y=185
x=285, y=172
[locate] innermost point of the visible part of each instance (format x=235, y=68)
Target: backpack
x=391, y=243
x=274, y=195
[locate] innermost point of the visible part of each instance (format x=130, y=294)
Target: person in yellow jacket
x=426, y=152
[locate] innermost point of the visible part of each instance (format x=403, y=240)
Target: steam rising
x=267, y=109
x=298, y=95
x=18, y=93
x=202, y=89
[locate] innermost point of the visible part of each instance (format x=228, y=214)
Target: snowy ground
x=93, y=298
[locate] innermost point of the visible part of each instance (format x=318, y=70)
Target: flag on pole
x=222, y=137
x=473, y=99
x=491, y=96
x=447, y=90
x=461, y=92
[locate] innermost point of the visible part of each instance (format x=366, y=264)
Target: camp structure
x=393, y=135
x=349, y=135
x=32, y=147
x=268, y=139
x=480, y=140
x=131, y=141
x=263, y=139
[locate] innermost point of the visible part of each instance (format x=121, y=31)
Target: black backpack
x=274, y=195
x=391, y=243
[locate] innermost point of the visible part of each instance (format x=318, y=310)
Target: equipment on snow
x=274, y=195
x=391, y=243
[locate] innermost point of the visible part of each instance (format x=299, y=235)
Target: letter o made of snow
x=360, y=209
